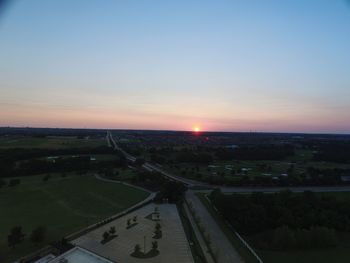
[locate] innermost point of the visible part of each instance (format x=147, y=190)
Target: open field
x=340, y=254
x=173, y=244
x=62, y=205
x=50, y=142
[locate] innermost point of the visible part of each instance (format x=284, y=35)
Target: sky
x=264, y=66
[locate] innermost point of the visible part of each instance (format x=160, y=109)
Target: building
x=75, y=255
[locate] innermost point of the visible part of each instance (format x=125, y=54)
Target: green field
x=62, y=205
x=50, y=142
x=340, y=254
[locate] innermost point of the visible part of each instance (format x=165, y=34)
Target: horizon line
x=166, y=130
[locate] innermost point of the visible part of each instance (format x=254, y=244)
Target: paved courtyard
x=173, y=245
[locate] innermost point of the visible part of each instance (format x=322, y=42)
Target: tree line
x=338, y=152
x=288, y=216
x=20, y=162
x=255, y=152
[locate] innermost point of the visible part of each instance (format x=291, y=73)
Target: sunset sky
x=280, y=66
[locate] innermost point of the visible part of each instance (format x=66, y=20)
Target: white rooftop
x=45, y=259
x=79, y=255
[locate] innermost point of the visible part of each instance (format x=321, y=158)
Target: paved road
x=199, y=236
x=227, y=253
x=278, y=189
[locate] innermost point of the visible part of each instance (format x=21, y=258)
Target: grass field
x=51, y=142
x=62, y=205
x=340, y=254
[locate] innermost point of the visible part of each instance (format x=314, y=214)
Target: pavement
x=173, y=245
x=226, y=253
x=199, y=236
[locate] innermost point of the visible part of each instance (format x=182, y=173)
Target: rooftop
x=79, y=255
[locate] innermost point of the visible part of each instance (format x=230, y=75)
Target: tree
x=157, y=231
x=323, y=237
x=154, y=245
x=38, y=234
x=139, y=162
x=14, y=182
x=137, y=249
x=283, y=238
x=105, y=235
x=2, y=183
x=16, y=236
x=46, y=178
x=112, y=230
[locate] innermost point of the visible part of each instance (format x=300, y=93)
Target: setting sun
x=196, y=129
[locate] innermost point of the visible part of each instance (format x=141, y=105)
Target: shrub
x=283, y=238
x=112, y=230
x=14, y=182
x=105, y=235
x=154, y=245
x=38, y=234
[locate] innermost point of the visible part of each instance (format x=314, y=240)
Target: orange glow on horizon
x=196, y=129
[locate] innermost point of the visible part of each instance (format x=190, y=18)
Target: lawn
x=51, y=142
x=62, y=205
x=340, y=254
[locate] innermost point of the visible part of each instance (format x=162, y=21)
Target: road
x=226, y=253
x=199, y=236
